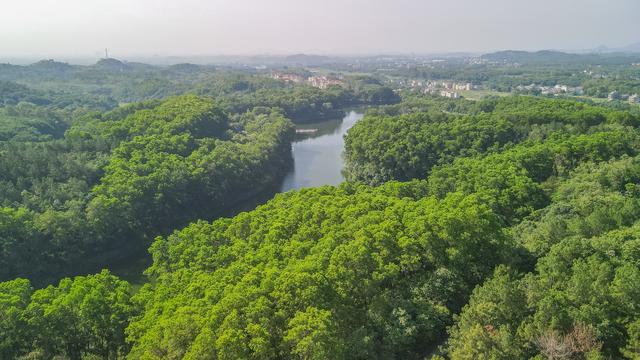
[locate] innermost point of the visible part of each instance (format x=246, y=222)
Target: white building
x=614, y=95
x=449, y=94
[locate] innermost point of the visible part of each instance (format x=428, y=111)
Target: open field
x=479, y=94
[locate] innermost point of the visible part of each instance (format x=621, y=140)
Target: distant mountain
x=303, y=59
x=632, y=48
x=111, y=64
x=51, y=65
x=524, y=57
x=185, y=67
x=559, y=57
x=602, y=49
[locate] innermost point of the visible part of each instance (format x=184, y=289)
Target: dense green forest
x=361, y=272
x=84, y=181
x=383, y=147
x=505, y=228
x=117, y=179
x=76, y=89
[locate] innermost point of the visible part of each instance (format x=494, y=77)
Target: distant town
x=615, y=95
x=319, y=81
x=447, y=89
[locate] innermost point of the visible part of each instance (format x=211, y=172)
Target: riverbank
x=316, y=161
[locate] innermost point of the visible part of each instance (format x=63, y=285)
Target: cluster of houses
x=323, y=82
x=319, y=81
x=447, y=89
x=294, y=78
x=633, y=99
x=449, y=94
x=551, y=90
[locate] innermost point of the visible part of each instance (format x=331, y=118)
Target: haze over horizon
x=76, y=28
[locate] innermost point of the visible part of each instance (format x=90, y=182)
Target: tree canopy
x=118, y=179
x=498, y=229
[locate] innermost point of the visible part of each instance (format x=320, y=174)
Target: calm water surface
x=317, y=161
x=317, y=157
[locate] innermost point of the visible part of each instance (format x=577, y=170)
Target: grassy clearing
x=479, y=94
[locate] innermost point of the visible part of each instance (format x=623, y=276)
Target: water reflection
x=317, y=161
x=317, y=156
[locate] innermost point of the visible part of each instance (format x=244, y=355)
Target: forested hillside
x=115, y=180
x=319, y=180
x=383, y=147
x=360, y=272
x=498, y=229
x=71, y=89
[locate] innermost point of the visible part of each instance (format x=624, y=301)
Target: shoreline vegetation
x=498, y=227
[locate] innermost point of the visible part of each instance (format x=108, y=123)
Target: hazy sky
x=199, y=27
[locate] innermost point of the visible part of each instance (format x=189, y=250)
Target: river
x=317, y=160
x=317, y=156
